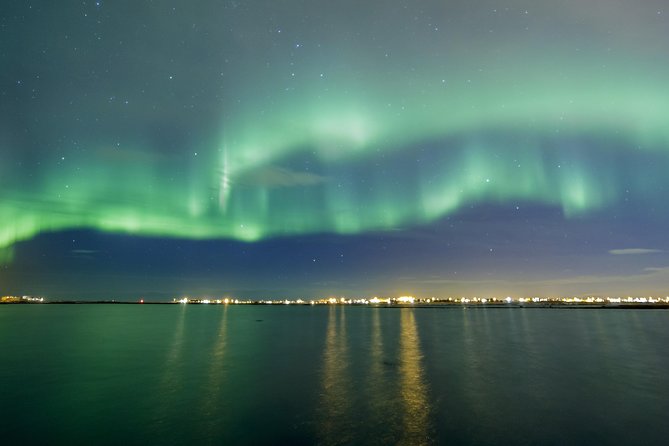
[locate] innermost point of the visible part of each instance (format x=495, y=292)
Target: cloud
x=634, y=251
x=656, y=269
x=651, y=280
x=271, y=176
x=86, y=254
x=6, y=255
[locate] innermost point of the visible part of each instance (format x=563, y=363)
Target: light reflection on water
x=390, y=397
x=379, y=411
x=413, y=387
x=171, y=383
x=213, y=393
x=332, y=375
x=335, y=423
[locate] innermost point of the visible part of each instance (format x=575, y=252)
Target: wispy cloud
x=84, y=251
x=85, y=254
x=634, y=251
x=648, y=280
x=272, y=176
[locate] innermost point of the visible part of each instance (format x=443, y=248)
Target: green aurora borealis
x=249, y=120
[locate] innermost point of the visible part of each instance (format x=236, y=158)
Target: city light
x=21, y=299
x=473, y=301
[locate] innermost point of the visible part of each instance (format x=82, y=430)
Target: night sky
x=292, y=148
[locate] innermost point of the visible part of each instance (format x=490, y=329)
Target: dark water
x=171, y=374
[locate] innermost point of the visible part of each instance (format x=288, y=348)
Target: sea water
x=291, y=375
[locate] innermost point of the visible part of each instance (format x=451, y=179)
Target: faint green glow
x=506, y=137
x=6, y=255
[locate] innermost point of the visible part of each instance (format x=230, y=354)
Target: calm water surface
x=178, y=374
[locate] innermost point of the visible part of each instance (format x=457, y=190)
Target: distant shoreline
x=439, y=305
